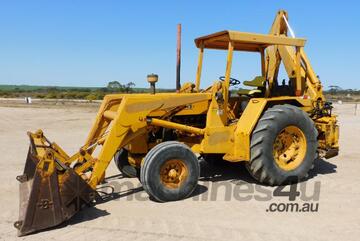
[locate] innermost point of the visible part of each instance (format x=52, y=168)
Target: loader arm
x=127, y=120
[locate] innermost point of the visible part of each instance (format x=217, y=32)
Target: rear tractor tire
x=170, y=171
x=283, y=146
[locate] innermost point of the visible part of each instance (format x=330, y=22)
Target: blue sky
x=89, y=43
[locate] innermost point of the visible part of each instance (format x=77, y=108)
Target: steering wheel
x=232, y=81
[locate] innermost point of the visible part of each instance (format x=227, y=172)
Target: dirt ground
x=212, y=213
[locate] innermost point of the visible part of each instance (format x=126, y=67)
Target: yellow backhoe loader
x=279, y=130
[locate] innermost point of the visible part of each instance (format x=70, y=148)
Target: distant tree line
x=336, y=93
x=67, y=92
x=117, y=87
x=337, y=90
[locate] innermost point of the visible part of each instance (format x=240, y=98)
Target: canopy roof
x=245, y=41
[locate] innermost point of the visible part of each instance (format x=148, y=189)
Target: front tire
x=170, y=171
x=283, y=146
x=121, y=160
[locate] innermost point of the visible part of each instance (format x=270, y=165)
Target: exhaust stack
x=178, y=58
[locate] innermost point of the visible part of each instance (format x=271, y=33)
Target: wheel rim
x=173, y=173
x=289, y=148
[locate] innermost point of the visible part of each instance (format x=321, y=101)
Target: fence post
x=356, y=104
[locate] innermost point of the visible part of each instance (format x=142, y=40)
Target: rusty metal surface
x=49, y=197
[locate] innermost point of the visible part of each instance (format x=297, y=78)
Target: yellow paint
x=173, y=173
x=199, y=69
x=289, y=148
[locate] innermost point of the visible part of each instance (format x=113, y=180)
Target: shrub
x=91, y=97
x=51, y=95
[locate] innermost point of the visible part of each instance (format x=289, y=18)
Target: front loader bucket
x=50, y=192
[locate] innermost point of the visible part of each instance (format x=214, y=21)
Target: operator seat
x=259, y=82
